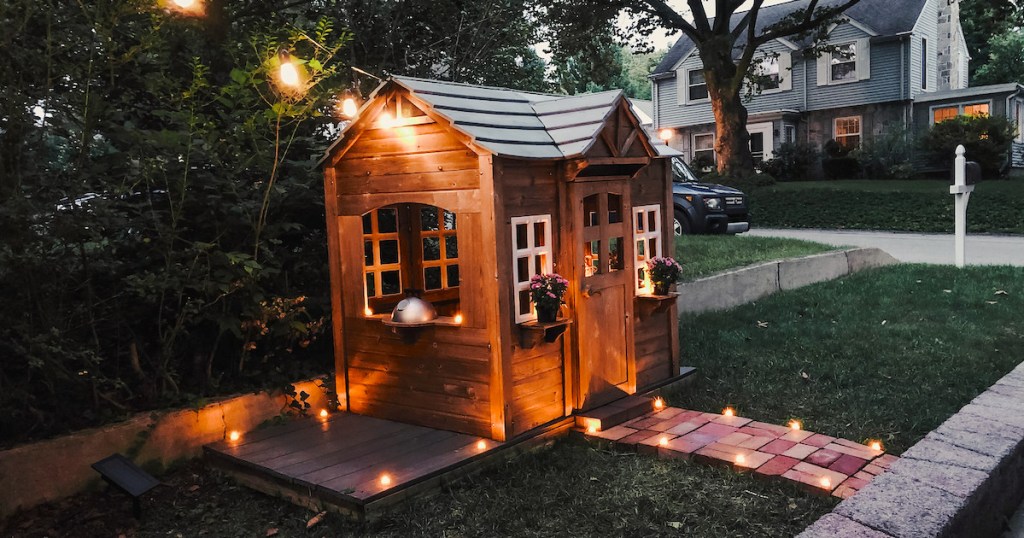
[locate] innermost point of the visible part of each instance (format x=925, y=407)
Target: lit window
x=381, y=253
x=647, y=238
x=531, y=255
x=980, y=109
x=940, y=115
x=844, y=63
x=704, y=148
x=697, y=86
x=848, y=132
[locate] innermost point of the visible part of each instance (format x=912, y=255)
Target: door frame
x=767, y=131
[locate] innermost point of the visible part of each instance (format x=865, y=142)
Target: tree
x=982, y=22
x=1006, y=60
x=727, y=44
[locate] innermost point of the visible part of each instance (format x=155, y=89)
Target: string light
x=185, y=4
x=385, y=480
x=876, y=445
x=481, y=444
x=826, y=483
x=741, y=459
x=234, y=435
x=458, y=319
x=729, y=412
x=795, y=425
x=663, y=441
x=288, y=73
x=659, y=403
x=323, y=413
x=349, y=107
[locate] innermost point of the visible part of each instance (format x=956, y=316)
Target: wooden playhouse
x=458, y=194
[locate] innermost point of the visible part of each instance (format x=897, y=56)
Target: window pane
x=449, y=220
x=387, y=220
x=368, y=253
x=390, y=283
x=946, y=113
x=523, y=270
x=652, y=221
x=641, y=251
x=453, y=276
x=522, y=239
x=371, y=285
x=653, y=251
x=696, y=77
x=614, y=209
x=704, y=142
x=847, y=126
x=451, y=247
x=431, y=248
x=389, y=251
x=616, y=254
x=976, y=110
x=524, y=302
x=432, y=278
x=428, y=219
x=698, y=93
x=540, y=262
x=368, y=223
x=844, y=71
x=539, y=237
x=638, y=227
x=592, y=257
x=591, y=209
x=640, y=277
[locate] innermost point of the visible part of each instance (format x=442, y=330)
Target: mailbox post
x=964, y=178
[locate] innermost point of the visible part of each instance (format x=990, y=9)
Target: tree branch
x=808, y=23
x=673, y=19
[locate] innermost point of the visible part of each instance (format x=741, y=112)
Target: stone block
x=902, y=507
x=998, y=447
x=931, y=449
x=833, y=526
x=959, y=481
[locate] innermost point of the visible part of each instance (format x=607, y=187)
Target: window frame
x=645, y=236
x=444, y=262
x=694, y=150
x=377, y=268
x=530, y=253
x=860, y=131
x=774, y=61
x=960, y=107
x=856, y=58
x=924, y=63
x=690, y=86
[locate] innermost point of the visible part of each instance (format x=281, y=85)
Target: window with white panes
x=647, y=238
x=531, y=255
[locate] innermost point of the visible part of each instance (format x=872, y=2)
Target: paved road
x=916, y=248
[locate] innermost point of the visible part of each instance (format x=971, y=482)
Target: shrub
x=987, y=139
x=841, y=168
x=887, y=155
x=702, y=165
x=792, y=162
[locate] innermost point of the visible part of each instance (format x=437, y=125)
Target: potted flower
x=546, y=292
x=663, y=272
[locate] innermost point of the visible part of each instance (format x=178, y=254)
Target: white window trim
x=693, y=145
x=645, y=236
x=785, y=63
x=686, y=89
x=531, y=254
x=959, y=108
x=862, y=63
x=860, y=125
x=1019, y=108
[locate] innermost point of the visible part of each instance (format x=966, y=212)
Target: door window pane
x=591, y=211
x=389, y=251
x=614, y=209
x=391, y=282
x=449, y=220
x=652, y=221
x=592, y=258
x=387, y=220
x=616, y=254
x=451, y=247
x=428, y=219
x=432, y=278
x=368, y=223
x=431, y=249
x=371, y=285
x=368, y=253
x=453, y=276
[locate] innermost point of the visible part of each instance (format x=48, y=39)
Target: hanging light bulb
x=349, y=108
x=665, y=135
x=185, y=4
x=288, y=73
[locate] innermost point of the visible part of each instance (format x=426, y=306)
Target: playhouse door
x=604, y=304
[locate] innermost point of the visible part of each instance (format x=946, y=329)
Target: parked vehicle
x=706, y=208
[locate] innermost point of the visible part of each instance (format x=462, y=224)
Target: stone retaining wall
x=963, y=479
x=49, y=470
x=741, y=286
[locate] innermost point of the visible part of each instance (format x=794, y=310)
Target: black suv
x=706, y=208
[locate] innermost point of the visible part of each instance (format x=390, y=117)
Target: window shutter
x=823, y=68
x=681, y=81
x=863, y=59
x=785, y=71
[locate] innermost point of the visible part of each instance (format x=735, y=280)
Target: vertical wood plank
x=334, y=259
x=668, y=240
x=492, y=291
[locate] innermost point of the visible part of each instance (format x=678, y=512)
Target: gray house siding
x=927, y=28
x=882, y=86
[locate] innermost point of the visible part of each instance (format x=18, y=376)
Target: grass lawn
x=888, y=354
x=913, y=206
x=703, y=255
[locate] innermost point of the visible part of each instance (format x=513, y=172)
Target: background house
x=899, y=65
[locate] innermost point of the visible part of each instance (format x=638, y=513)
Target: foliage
x=909, y=206
x=1006, y=60
x=547, y=291
x=983, y=22
x=867, y=356
x=709, y=254
x=664, y=271
x=988, y=140
x=887, y=155
x=745, y=182
x=792, y=162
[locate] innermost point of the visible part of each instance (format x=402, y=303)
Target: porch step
x=615, y=413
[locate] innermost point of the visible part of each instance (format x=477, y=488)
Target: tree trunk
x=724, y=79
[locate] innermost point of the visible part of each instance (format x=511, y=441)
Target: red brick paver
x=821, y=463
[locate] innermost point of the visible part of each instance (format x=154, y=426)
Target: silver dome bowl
x=412, y=311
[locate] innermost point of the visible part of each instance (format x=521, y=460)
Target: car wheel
x=680, y=225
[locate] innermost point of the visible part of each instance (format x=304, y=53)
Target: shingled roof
x=519, y=124
x=886, y=17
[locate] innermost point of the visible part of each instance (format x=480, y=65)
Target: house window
x=768, y=73
x=531, y=255
x=382, y=261
x=647, y=238
x=440, y=248
x=941, y=114
x=848, y=132
x=924, y=64
x=844, y=63
x=980, y=109
x=1020, y=122
x=697, y=87
x=789, y=134
x=704, y=149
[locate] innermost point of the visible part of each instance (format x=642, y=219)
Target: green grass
x=703, y=255
x=912, y=206
x=888, y=354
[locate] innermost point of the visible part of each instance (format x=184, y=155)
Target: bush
x=742, y=182
x=841, y=168
x=887, y=155
x=792, y=162
x=987, y=139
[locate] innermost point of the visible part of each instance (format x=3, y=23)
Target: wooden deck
x=339, y=462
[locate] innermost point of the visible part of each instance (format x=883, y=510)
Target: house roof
x=967, y=93
x=882, y=16
x=515, y=123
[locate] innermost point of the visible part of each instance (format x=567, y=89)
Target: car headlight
x=713, y=204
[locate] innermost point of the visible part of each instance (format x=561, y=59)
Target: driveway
x=916, y=248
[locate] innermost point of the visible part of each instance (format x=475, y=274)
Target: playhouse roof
x=519, y=124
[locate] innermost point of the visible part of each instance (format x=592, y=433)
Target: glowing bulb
x=385, y=480
x=665, y=134
x=323, y=413
x=663, y=441
x=349, y=108
x=659, y=403
x=876, y=445
x=794, y=425
x=368, y=311
x=729, y=412
x=458, y=319
x=481, y=444
x=234, y=435
x=387, y=120
x=185, y=4
x=825, y=482
x=289, y=75
x=741, y=459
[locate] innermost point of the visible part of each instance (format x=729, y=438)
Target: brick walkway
x=822, y=464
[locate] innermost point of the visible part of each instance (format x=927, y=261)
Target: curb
x=741, y=286
x=962, y=479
